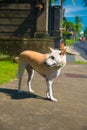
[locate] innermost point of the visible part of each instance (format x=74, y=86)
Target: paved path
x=81, y=49
x=33, y=112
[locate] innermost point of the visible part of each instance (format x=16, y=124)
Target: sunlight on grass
x=80, y=62
x=8, y=70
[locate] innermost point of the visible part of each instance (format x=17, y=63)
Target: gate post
x=55, y=23
x=42, y=19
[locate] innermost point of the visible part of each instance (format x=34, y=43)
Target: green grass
x=8, y=70
x=69, y=42
x=80, y=62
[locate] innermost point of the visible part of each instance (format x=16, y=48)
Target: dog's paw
x=31, y=91
x=53, y=99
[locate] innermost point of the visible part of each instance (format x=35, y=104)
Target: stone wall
x=17, y=19
x=13, y=47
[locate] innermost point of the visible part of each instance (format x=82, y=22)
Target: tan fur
x=36, y=60
x=33, y=56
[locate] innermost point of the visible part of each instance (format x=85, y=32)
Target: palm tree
x=78, y=24
x=61, y=1
x=85, y=2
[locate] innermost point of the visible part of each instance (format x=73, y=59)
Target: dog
x=48, y=65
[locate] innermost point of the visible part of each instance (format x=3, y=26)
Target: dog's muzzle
x=46, y=64
x=52, y=65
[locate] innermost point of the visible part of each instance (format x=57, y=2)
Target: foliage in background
x=8, y=70
x=72, y=27
x=80, y=62
x=85, y=2
x=73, y=1
x=85, y=32
x=78, y=24
x=69, y=42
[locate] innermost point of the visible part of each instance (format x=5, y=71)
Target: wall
x=13, y=47
x=17, y=19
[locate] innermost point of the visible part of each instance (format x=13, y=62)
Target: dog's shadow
x=15, y=95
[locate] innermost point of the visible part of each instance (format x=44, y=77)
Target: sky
x=75, y=9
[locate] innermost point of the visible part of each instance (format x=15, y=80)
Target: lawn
x=8, y=70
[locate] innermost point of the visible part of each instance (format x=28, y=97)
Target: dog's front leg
x=49, y=91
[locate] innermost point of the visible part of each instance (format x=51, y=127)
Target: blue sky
x=76, y=9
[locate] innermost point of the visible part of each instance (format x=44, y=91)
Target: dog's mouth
x=48, y=65
x=53, y=65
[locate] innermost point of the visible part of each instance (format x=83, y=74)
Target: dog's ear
x=62, y=47
x=65, y=49
x=51, y=49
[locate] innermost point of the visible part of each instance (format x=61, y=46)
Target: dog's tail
x=17, y=59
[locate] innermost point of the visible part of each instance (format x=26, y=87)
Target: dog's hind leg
x=30, y=76
x=20, y=75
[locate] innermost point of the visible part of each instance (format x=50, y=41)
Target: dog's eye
x=52, y=57
x=60, y=53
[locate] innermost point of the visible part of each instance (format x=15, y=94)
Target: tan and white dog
x=48, y=65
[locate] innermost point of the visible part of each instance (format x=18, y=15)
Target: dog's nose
x=45, y=63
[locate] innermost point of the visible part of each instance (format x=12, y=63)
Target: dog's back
x=33, y=56
x=33, y=59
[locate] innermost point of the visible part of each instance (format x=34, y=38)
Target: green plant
x=8, y=70
x=80, y=62
x=69, y=42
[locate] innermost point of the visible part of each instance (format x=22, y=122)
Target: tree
x=78, y=23
x=70, y=28
x=85, y=2
x=85, y=32
x=69, y=25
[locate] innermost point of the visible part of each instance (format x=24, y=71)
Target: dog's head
x=56, y=58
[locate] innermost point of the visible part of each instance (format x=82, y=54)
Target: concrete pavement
x=33, y=112
x=81, y=49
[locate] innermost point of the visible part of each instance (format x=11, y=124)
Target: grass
x=69, y=42
x=8, y=70
x=80, y=62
